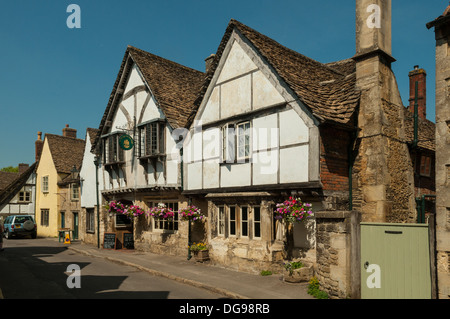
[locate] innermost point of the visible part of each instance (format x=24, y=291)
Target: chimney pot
x=69, y=132
x=39, y=144
x=23, y=167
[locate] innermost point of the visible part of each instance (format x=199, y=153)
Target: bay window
x=112, y=153
x=151, y=139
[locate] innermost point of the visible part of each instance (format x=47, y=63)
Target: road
x=38, y=269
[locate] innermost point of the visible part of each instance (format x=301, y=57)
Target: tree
x=10, y=169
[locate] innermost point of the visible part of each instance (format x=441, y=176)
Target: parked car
x=20, y=225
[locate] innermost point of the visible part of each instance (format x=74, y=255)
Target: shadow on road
x=29, y=271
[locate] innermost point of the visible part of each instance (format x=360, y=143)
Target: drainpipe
x=416, y=115
x=351, y=162
x=421, y=209
x=96, y=163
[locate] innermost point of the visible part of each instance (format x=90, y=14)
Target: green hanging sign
x=126, y=142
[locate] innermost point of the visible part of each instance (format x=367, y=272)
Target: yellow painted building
x=57, y=189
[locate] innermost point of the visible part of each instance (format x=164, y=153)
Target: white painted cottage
x=257, y=136
x=90, y=192
x=150, y=102
x=18, y=191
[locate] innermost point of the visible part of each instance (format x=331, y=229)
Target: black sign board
x=128, y=241
x=109, y=241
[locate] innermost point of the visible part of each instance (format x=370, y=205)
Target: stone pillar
x=383, y=177
x=338, y=256
x=442, y=34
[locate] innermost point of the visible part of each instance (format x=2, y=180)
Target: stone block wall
x=337, y=253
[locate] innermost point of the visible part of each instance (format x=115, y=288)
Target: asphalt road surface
x=39, y=269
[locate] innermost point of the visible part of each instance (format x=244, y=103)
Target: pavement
x=229, y=283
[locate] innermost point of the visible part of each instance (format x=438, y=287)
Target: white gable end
x=237, y=63
x=281, y=147
x=240, y=87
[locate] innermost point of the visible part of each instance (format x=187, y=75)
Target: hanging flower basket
x=191, y=213
x=293, y=210
x=161, y=212
x=116, y=207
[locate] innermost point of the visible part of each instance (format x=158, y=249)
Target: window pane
x=257, y=221
x=244, y=221
x=232, y=220
x=154, y=142
x=221, y=221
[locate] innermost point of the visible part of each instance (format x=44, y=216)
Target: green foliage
x=314, y=289
x=291, y=266
x=266, y=273
x=10, y=169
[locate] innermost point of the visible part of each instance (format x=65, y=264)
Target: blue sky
x=51, y=75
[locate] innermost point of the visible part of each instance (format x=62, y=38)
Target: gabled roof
x=15, y=185
x=328, y=90
x=92, y=134
x=174, y=86
x=426, y=131
x=66, y=152
x=7, y=178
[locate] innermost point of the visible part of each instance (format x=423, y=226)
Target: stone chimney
x=419, y=76
x=23, y=167
x=383, y=179
x=208, y=62
x=39, y=144
x=69, y=132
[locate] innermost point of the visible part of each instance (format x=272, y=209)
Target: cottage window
x=256, y=222
x=425, y=165
x=232, y=221
x=244, y=221
x=243, y=140
x=74, y=192
x=45, y=184
x=228, y=144
x=24, y=196
x=236, y=141
x=167, y=224
x=45, y=213
x=90, y=220
x=221, y=221
x=112, y=153
x=151, y=139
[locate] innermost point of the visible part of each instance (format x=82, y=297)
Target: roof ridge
x=164, y=59
x=236, y=22
x=65, y=137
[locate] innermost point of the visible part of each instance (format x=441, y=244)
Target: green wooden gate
x=395, y=261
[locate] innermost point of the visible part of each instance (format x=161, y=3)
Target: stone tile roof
x=327, y=89
x=6, y=178
x=66, y=152
x=174, y=86
x=8, y=193
x=426, y=131
x=92, y=134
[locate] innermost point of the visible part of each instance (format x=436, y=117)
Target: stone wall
x=443, y=158
x=338, y=253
